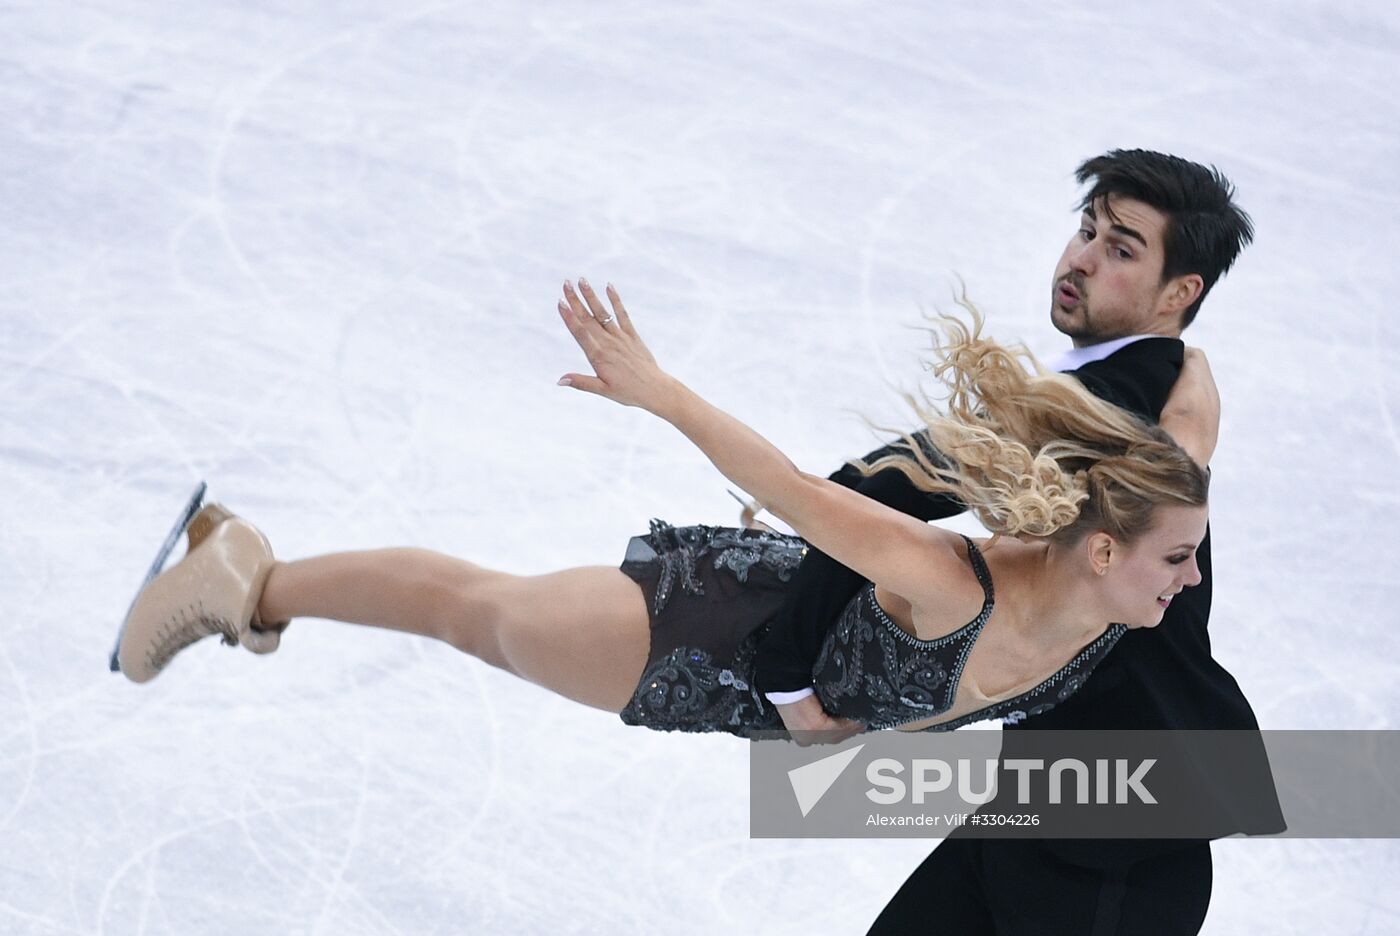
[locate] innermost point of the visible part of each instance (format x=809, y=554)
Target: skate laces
x=190, y=625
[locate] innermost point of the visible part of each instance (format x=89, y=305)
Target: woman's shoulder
x=959, y=588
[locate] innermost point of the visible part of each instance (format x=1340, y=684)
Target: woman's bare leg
x=583, y=633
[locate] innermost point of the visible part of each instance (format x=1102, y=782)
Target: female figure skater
x=1101, y=513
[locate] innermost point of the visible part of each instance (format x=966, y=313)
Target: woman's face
x=1141, y=579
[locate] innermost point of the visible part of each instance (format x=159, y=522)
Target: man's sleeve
x=821, y=584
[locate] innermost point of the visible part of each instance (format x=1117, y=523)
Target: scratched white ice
x=311, y=252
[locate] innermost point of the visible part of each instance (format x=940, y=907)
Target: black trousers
x=1010, y=887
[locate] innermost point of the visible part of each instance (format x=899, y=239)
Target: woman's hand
x=625, y=371
x=1191, y=414
x=809, y=723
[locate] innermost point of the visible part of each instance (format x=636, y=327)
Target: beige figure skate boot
x=214, y=589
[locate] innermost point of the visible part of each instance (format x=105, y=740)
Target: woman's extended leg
x=583, y=633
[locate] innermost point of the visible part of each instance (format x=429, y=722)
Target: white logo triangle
x=811, y=781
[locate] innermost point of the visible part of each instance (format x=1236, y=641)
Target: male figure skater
x=1156, y=233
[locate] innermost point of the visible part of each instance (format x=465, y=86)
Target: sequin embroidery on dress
x=705, y=683
x=712, y=593
x=873, y=671
x=679, y=549
x=1056, y=689
x=687, y=690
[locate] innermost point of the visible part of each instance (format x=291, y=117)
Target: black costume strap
x=984, y=575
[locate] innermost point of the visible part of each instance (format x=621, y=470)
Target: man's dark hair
x=1205, y=229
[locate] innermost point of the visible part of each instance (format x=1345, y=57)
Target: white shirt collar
x=1075, y=358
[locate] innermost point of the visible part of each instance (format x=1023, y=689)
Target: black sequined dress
x=712, y=592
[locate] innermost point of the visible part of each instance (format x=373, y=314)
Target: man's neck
x=1082, y=341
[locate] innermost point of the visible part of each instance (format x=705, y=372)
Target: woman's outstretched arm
x=899, y=552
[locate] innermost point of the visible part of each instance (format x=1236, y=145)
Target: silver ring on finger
x=605, y=319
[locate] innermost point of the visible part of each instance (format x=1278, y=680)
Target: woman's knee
x=468, y=605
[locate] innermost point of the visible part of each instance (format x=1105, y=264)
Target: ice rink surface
x=310, y=252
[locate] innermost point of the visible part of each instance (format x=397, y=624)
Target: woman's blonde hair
x=1032, y=452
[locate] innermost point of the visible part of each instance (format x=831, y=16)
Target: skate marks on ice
x=312, y=257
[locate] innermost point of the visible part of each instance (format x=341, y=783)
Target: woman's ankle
x=271, y=614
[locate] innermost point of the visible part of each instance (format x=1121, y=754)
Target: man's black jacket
x=1155, y=678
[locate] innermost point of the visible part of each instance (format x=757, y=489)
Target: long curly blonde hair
x=1031, y=452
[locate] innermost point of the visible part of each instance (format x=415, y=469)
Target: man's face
x=1108, y=283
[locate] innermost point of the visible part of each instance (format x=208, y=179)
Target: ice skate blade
x=181, y=525
x=212, y=591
